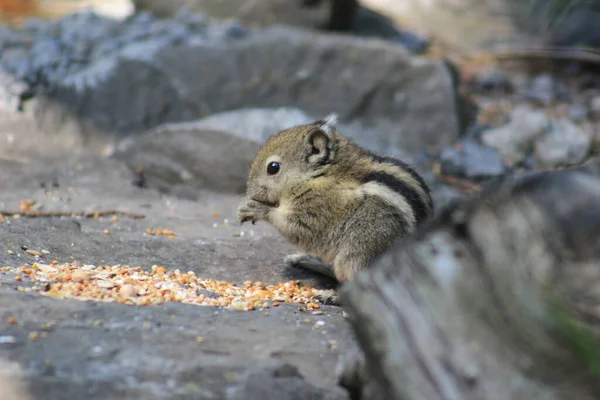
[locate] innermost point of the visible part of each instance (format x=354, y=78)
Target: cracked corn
x=135, y=286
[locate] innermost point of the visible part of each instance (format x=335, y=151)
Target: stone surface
x=515, y=139
x=113, y=79
x=152, y=352
x=565, y=143
x=258, y=124
x=472, y=160
x=255, y=124
x=190, y=159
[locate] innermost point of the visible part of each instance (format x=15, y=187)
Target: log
x=498, y=297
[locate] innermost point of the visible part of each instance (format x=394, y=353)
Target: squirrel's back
x=394, y=181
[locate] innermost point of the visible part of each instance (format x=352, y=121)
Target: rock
x=545, y=89
x=106, y=350
x=595, y=106
x=565, y=143
x=139, y=75
x=346, y=16
x=515, y=140
x=578, y=112
x=472, y=160
x=256, y=124
x=198, y=158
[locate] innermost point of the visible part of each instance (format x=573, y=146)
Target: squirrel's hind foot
x=308, y=262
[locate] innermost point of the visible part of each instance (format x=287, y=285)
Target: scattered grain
x=136, y=286
x=27, y=205
x=127, y=291
x=80, y=276
x=161, y=232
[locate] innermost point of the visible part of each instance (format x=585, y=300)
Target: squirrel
x=341, y=204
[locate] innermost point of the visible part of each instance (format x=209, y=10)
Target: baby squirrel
x=341, y=204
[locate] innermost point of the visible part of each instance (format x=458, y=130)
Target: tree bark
x=496, y=298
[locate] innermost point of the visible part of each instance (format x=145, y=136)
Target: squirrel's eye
x=273, y=168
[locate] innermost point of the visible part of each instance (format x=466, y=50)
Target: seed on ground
x=136, y=286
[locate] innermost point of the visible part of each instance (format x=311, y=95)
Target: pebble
x=578, y=112
x=545, y=89
x=566, y=143
x=515, y=139
x=472, y=160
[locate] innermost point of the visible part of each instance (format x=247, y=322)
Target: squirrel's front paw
x=253, y=211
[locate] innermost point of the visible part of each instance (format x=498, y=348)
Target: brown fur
x=322, y=201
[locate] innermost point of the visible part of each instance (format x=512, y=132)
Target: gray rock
x=257, y=124
x=199, y=158
x=565, y=143
x=106, y=350
x=545, y=89
x=473, y=161
x=578, y=112
x=515, y=139
x=140, y=76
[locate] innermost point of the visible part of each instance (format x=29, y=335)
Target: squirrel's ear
x=318, y=146
x=328, y=124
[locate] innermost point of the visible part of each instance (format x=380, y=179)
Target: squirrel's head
x=292, y=156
